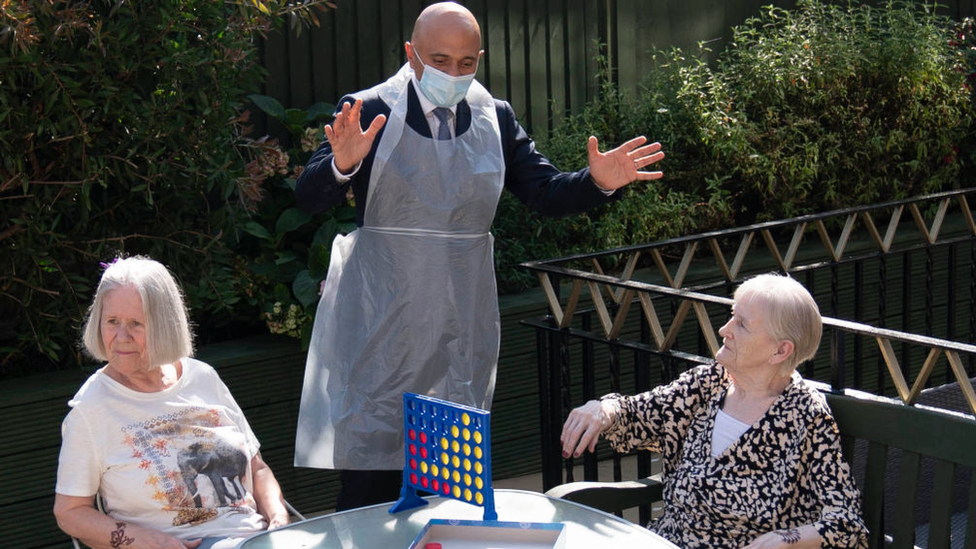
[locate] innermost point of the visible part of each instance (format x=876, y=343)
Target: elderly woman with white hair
x=156, y=433
x=751, y=453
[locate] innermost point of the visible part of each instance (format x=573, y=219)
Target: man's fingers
x=646, y=150
x=649, y=176
x=630, y=145
x=375, y=126
x=355, y=111
x=592, y=147
x=642, y=161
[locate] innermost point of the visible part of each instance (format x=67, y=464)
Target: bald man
x=409, y=303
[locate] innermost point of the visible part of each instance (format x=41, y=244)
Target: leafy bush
x=838, y=105
x=807, y=110
x=120, y=133
x=288, y=249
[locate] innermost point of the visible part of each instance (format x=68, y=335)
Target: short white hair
x=168, y=336
x=791, y=314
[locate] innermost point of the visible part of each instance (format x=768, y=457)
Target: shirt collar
x=425, y=103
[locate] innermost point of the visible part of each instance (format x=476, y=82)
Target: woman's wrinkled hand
x=583, y=427
x=278, y=521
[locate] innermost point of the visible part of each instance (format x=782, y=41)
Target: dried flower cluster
x=268, y=160
x=288, y=321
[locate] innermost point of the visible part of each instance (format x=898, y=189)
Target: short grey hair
x=168, y=336
x=791, y=314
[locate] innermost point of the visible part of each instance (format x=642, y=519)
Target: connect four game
x=447, y=452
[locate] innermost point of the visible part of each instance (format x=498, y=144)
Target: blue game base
x=408, y=500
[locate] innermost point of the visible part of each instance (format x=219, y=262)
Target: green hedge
x=809, y=110
x=123, y=130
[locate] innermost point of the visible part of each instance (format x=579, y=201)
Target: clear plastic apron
x=410, y=302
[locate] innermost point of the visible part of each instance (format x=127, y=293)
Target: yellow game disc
x=467, y=449
x=479, y=483
x=457, y=492
x=444, y=443
x=467, y=494
x=454, y=431
x=455, y=447
x=477, y=467
x=466, y=434
x=477, y=437
x=423, y=467
x=446, y=473
x=456, y=476
x=465, y=418
x=445, y=458
x=467, y=464
x=435, y=470
x=479, y=498
x=477, y=452
x=467, y=479
x=456, y=461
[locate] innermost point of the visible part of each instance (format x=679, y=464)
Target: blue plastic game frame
x=447, y=452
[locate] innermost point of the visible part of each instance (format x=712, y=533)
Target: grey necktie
x=443, y=130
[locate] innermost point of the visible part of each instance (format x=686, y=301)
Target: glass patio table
x=374, y=527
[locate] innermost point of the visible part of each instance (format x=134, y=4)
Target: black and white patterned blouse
x=786, y=471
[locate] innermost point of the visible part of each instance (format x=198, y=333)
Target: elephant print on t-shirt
x=223, y=465
x=174, y=450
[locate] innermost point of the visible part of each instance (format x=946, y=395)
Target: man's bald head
x=446, y=36
x=445, y=16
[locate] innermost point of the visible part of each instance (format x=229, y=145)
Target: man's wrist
x=605, y=191
x=343, y=177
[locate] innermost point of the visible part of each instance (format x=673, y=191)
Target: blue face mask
x=441, y=88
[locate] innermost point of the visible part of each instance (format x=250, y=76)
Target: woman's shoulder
x=197, y=368
x=201, y=377
x=90, y=391
x=709, y=377
x=805, y=397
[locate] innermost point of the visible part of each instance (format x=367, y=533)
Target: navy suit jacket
x=528, y=174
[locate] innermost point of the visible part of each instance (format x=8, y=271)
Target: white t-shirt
x=726, y=431
x=176, y=460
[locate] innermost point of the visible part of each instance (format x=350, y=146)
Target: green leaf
x=291, y=219
x=317, y=111
x=318, y=261
x=305, y=289
x=295, y=117
x=282, y=294
x=286, y=257
x=269, y=105
x=326, y=233
x=256, y=229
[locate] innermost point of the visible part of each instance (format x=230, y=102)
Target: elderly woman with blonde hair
x=751, y=454
x=155, y=432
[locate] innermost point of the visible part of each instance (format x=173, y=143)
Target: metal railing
x=888, y=317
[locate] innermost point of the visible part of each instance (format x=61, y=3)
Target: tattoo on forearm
x=791, y=535
x=119, y=539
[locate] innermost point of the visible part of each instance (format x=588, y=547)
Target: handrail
x=622, y=291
